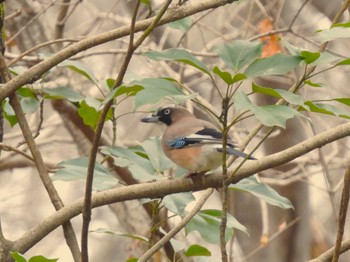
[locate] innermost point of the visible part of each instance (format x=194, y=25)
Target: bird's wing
x=203, y=136
x=206, y=136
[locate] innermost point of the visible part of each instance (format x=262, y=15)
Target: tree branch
x=166, y=187
x=35, y=72
x=178, y=226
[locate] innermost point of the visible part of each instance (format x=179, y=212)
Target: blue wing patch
x=178, y=142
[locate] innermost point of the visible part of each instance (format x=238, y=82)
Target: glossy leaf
x=179, y=55
x=76, y=168
x=343, y=100
x=140, y=167
x=80, y=68
x=278, y=64
x=20, y=258
x=183, y=24
x=152, y=147
x=344, y=62
x=156, y=89
x=262, y=191
x=333, y=33
x=117, y=233
x=29, y=104
x=177, y=244
x=326, y=109
x=268, y=115
x=313, y=84
x=239, y=53
x=177, y=203
x=8, y=112
x=279, y=93
x=63, y=93
x=207, y=224
x=224, y=75
x=197, y=250
x=89, y=114
x=310, y=57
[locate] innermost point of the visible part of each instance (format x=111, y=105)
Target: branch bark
x=166, y=187
x=35, y=72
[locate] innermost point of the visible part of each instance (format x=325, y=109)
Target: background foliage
x=277, y=69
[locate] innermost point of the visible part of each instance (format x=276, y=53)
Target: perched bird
x=191, y=143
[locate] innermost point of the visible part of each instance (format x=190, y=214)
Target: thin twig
x=178, y=226
x=165, y=187
x=5, y=147
x=35, y=72
x=37, y=47
x=344, y=204
x=93, y=154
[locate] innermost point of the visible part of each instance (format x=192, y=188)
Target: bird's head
x=167, y=115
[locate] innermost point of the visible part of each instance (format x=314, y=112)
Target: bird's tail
x=235, y=152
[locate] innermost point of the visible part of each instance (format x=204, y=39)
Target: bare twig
x=344, y=204
x=166, y=187
x=36, y=71
x=327, y=256
x=178, y=226
x=132, y=47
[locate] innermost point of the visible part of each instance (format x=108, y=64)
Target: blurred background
x=312, y=182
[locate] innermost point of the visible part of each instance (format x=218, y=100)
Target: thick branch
x=35, y=72
x=166, y=187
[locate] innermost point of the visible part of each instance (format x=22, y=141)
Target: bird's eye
x=167, y=111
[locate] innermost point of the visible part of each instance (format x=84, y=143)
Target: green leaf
x=238, y=77
x=63, y=93
x=133, y=259
x=152, y=147
x=268, y=115
x=183, y=24
x=224, y=75
x=177, y=203
x=293, y=50
x=343, y=100
x=239, y=53
x=313, y=84
x=29, y=104
x=76, y=168
x=275, y=115
x=89, y=114
x=18, y=257
x=140, y=167
x=28, y=100
x=117, y=233
x=344, y=62
x=80, y=68
x=146, y=2
x=8, y=112
x=333, y=33
x=42, y=259
x=156, y=89
x=207, y=224
x=273, y=65
x=197, y=250
x=262, y=191
x=177, y=245
x=310, y=57
x=279, y=93
x=326, y=109
x=179, y=55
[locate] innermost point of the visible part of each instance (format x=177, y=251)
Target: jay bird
x=191, y=143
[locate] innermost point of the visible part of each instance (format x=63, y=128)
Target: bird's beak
x=150, y=119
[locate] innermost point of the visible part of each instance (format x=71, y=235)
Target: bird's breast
x=195, y=158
